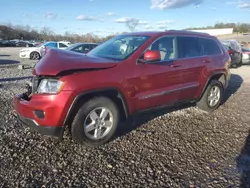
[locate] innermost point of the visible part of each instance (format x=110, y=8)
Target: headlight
x=50, y=86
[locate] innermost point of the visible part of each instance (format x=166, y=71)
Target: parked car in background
x=35, y=53
x=10, y=43
x=92, y=93
x=234, y=50
x=24, y=44
x=5, y=43
x=246, y=55
x=2, y=44
x=82, y=47
x=37, y=43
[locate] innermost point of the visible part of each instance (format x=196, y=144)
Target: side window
x=234, y=46
x=51, y=44
x=188, y=47
x=210, y=47
x=93, y=46
x=82, y=48
x=166, y=46
x=61, y=45
x=78, y=49
x=85, y=48
x=238, y=47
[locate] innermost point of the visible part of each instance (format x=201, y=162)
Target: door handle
x=175, y=65
x=207, y=61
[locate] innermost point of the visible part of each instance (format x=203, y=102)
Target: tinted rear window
x=209, y=46
x=188, y=47
x=61, y=45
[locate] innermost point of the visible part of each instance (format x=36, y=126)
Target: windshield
x=119, y=48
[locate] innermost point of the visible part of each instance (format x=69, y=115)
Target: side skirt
x=190, y=101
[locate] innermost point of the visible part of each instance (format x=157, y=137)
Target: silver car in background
x=234, y=50
x=245, y=55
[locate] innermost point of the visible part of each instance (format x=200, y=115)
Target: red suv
x=127, y=74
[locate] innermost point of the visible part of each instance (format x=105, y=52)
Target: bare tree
x=132, y=24
x=47, y=33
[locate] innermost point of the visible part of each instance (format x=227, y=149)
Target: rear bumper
x=50, y=131
x=246, y=58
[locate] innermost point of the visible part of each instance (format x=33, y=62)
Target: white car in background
x=35, y=53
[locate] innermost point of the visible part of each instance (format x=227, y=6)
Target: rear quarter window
x=209, y=46
x=61, y=45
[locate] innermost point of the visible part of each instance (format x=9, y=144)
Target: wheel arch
x=113, y=93
x=220, y=76
x=35, y=51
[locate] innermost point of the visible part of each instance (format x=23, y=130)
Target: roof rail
x=187, y=31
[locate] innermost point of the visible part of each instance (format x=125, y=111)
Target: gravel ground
x=182, y=147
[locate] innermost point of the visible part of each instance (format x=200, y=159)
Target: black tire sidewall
x=77, y=129
x=34, y=53
x=203, y=102
x=214, y=83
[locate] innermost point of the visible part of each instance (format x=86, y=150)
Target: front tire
x=34, y=56
x=212, y=96
x=95, y=122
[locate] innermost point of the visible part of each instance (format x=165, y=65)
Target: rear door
x=212, y=58
x=193, y=65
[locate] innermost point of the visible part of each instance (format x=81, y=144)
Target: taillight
x=232, y=52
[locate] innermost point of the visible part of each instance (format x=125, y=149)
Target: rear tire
x=90, y=127
x=212, y=97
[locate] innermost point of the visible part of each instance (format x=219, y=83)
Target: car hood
x=57, y=61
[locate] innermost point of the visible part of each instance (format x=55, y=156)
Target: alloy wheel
x=98, y=123
x=214, y=96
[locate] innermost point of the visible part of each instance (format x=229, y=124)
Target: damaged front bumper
x=23, y=109
x=44, y=113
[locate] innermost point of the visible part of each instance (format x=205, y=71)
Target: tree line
x=9, y=32
x=238, y=27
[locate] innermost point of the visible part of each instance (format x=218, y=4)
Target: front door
x=158, y=83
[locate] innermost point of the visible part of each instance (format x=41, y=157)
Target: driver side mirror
x=151, y=56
